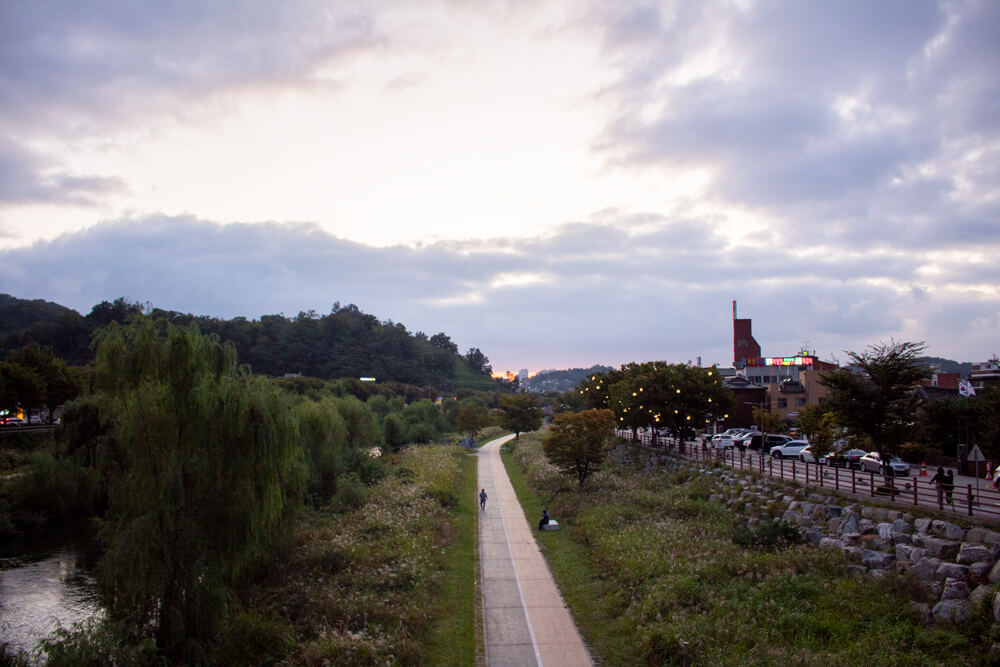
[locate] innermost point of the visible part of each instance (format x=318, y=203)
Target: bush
x=55, y=487
x=768, y=535
x=351, y=493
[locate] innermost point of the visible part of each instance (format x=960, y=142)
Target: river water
x=46, y=582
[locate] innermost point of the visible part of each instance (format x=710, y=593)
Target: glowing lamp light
x=634, y=394
x=678, y=391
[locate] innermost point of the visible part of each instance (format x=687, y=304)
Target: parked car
x=790, y=450
x=749, y=440
x=773, y=439
x=849, y=459
x=806, y=455
x=11, y=421
x=725, y=439
x=872, y=462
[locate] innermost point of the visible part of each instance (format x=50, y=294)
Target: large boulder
x=877, y=560
x=955, y=589
x=943, y=549
x=974, y=553
x=925, y=570
x=951, y=611
x=980, y=593
x=947, y=530
x=953, y=571
x=830, y=544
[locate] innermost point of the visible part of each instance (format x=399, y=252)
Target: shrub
x=55, y=487
x=351, y=493
x=768, y=535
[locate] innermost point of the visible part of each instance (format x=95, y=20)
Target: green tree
x=393, y=432
x=819, y=426
x=206, y=483
x=20, y=387
x=770, y=421
x=678, y=397
x=478, y=361
x=60, y=382
x=577, y=441
x=472, y=418
x=878, y=404
x=520, y=413
x=323, y=437
x=986, y=429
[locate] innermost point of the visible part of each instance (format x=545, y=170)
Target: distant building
x=942, y=379
x=744, y=345
x=789, y=383
x=986, y=374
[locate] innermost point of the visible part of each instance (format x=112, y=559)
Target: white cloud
x=609, y=176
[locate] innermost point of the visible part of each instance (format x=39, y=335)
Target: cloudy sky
x=557, y=183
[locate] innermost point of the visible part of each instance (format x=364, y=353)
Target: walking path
x=526, y=621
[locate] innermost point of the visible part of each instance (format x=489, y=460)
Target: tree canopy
x=577, y=440
x=520, y=413
x=204, y=483
x=344, y=343
x=876, y=401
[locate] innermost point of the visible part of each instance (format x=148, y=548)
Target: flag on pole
x=965, y=388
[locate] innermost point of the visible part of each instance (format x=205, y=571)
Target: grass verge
x=452, y=640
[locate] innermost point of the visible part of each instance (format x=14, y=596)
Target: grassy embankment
x=647, y=563
x=390, y=583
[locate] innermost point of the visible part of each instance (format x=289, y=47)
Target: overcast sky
x=556, y=183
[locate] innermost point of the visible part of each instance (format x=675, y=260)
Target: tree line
x=876, y=403
x=197, y=469
x=344, y=343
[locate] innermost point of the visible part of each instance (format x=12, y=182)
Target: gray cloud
x=922, y=78
x=79, y=64
x=612, y=297
x=26, y=177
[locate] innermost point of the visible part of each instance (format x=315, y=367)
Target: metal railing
x=968, y=499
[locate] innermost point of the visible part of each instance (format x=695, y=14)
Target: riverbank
x=657, y=570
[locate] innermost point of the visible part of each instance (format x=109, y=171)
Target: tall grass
x=389, y=583
x=649, y=565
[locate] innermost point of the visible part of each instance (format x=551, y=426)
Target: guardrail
x=7, y=429
x=967, y=499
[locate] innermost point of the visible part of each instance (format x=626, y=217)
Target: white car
x=792, y=450
x=872, y=462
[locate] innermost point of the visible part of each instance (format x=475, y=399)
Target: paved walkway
x=526, y=621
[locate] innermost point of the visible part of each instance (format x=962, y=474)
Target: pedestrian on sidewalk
x=939, y=480
x=482, y=499
x=949, y=486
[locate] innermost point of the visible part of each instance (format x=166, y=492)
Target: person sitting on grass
x=544, y=521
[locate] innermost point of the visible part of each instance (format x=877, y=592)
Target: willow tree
x=204, y=483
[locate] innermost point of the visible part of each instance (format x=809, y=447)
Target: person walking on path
x=949, y=486
x=482, y=500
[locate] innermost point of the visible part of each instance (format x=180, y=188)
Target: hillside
x=554, y=380
x=343, y=343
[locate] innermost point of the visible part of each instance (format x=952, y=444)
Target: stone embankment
x=957, y=566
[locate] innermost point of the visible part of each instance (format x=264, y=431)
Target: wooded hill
x=345, y=343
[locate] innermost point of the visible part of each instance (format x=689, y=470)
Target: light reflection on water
x=40, y=593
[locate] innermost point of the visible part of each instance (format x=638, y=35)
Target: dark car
x=750, y=440
x=775, y=439
x=849, y=459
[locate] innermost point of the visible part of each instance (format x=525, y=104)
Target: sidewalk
x=526, y=621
